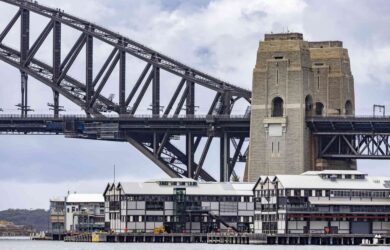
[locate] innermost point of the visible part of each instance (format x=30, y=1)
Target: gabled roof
x=261, y=180
x=108, y=187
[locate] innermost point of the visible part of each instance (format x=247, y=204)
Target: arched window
x=319, y=108
x=308, y=105
x=348, y=108
x=277, y=107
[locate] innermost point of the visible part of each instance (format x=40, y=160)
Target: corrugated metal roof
x=330, y=171
x=58, y=199
x=84, y=198
x=316, y=182
x=203, y=188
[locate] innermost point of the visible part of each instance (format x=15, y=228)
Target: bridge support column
x=89, y=72
x=24, y=93
x=156, y=91
x=24, y=50
x=224, y=157
x=56, y=64
x=190, y=111
x=190, y=154
x=122, y=83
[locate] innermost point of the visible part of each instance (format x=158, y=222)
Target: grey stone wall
x=291, y=68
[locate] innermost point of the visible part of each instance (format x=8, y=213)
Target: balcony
x=333, y=210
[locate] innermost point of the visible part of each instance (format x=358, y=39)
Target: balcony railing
x=341, y=210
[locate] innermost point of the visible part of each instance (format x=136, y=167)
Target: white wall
x=296, y=226
x=381, y=227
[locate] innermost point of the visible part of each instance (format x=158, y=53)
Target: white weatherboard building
x=179, y=205
x=326, y=202
x=84, y=212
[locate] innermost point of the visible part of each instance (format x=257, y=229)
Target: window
x=308, y=104
x=319, y=108
x=154, y=205
x=359, y=177
x=348, y=108
x=318, y=83
x=277, y=107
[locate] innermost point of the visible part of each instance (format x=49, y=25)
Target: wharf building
x=84, y=213
x=179, y=206
x=322, y=202
x=57, y=218
x=294, y=79
x=76, y=213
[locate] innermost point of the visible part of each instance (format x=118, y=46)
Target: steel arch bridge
x=152, y=134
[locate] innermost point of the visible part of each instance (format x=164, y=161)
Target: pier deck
x=227, y=238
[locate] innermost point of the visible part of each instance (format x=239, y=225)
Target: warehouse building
x=325, y=202
x=84, y=212
x=179, y=205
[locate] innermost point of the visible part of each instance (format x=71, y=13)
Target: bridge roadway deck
x=47, y=124
x=74, y=125
x=333, y=125
x=338, y=137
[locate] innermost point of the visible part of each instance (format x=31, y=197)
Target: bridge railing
x=122, y=117
x=345, y=117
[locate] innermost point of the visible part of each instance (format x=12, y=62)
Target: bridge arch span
x=88, y=94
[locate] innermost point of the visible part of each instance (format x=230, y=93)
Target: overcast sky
x=219, y=37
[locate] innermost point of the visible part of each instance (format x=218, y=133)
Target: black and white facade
x=326, y=202
x=179, y=205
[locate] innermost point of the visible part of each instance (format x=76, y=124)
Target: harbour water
x=24, y=244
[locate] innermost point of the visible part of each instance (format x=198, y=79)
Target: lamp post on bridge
x=53, y=107
x=24, y=108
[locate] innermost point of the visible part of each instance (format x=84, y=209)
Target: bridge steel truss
x=352, y=137
x=88, y=94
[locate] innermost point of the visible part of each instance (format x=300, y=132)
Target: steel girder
x=351, y=137
x=87, y=95
x=360, y=146
x=149, y=134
